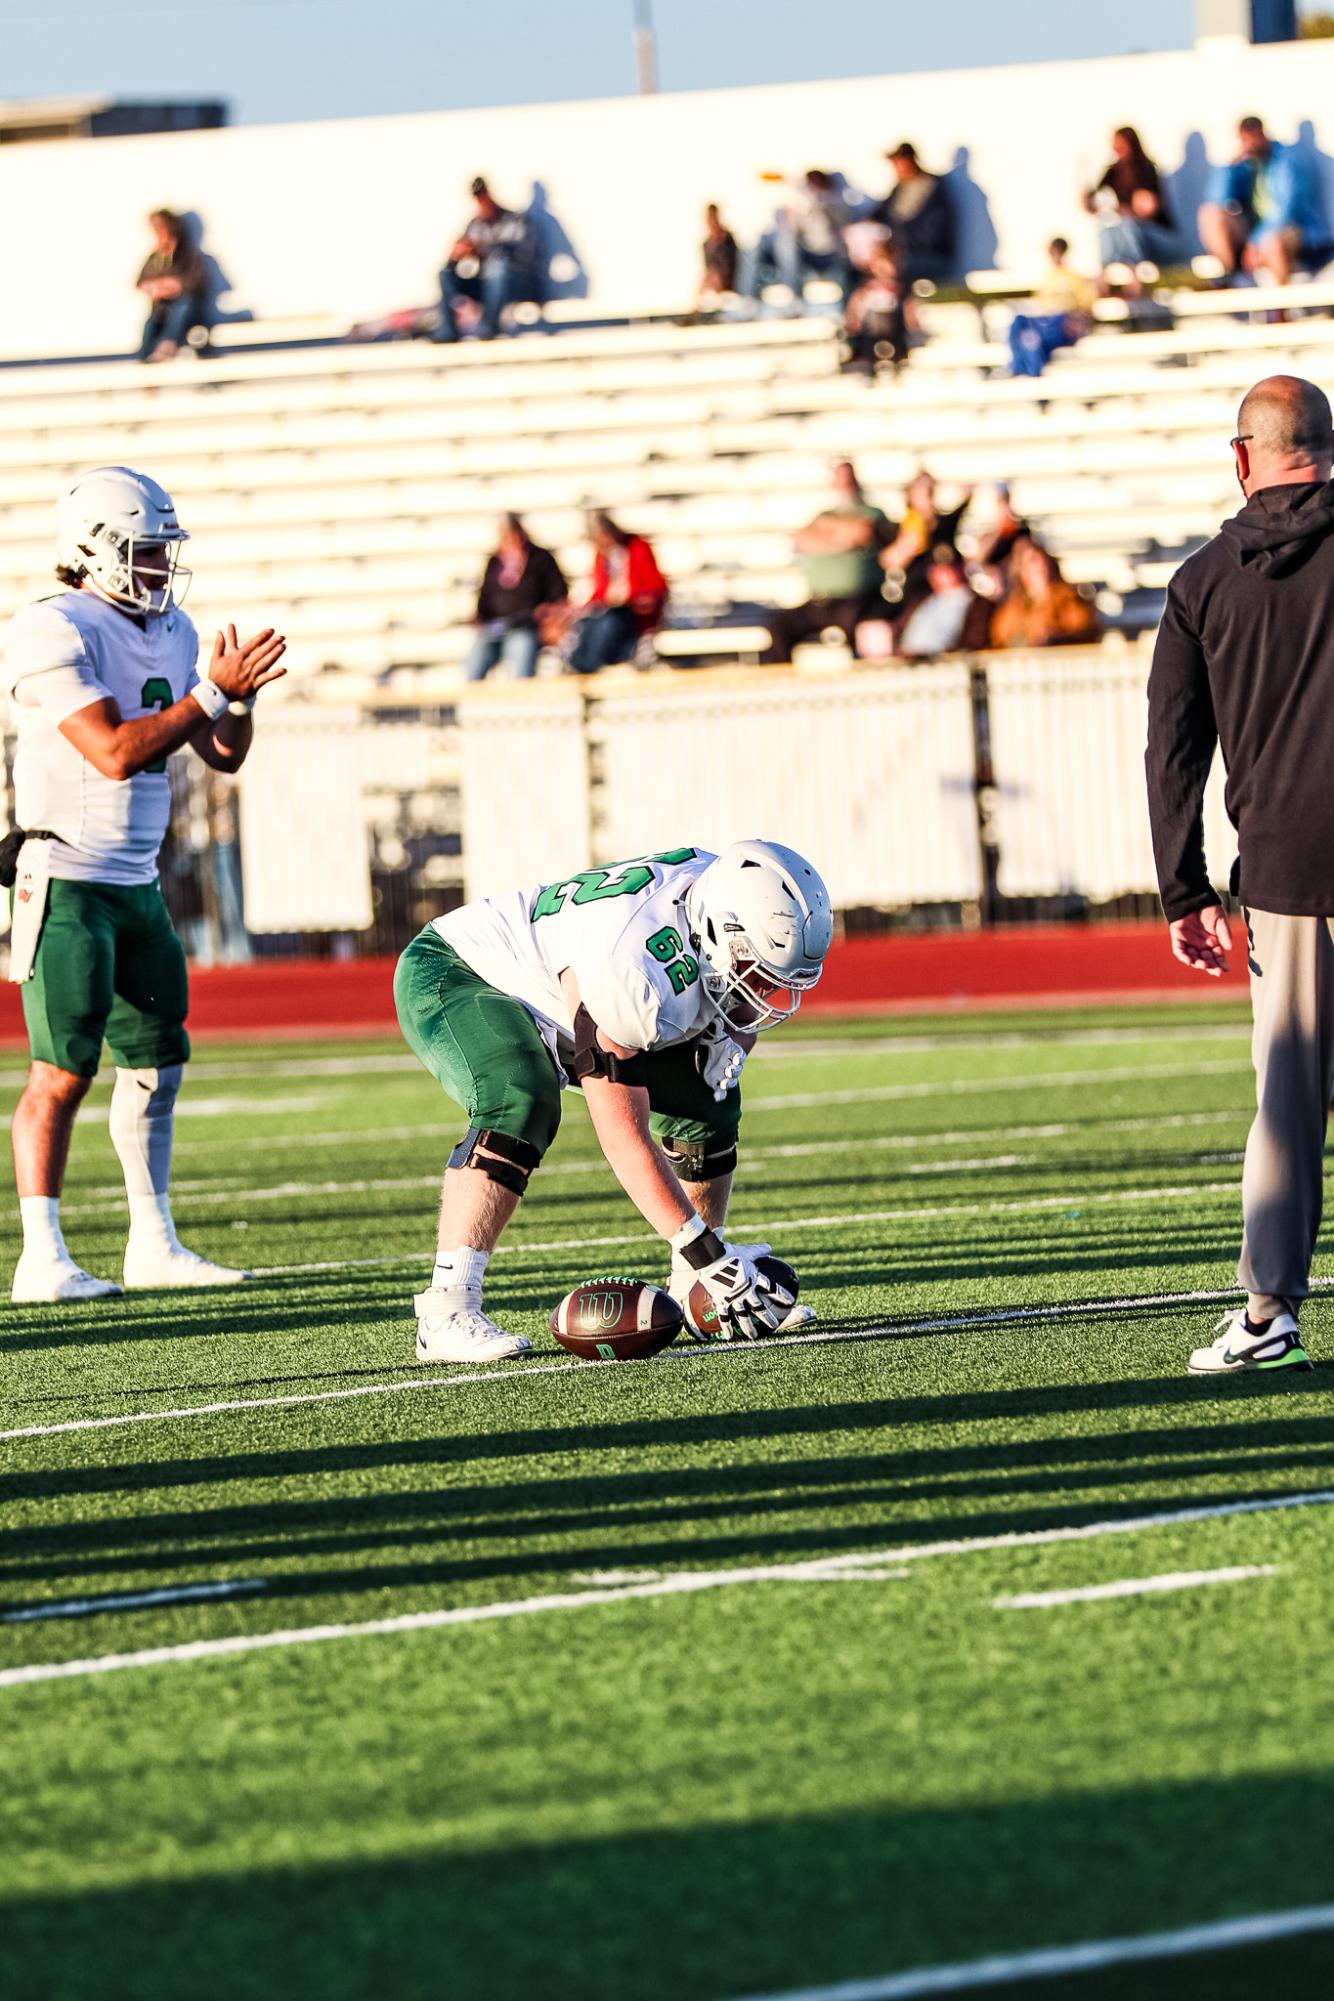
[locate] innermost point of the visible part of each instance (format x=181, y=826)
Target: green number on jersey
x=665, y=944
x=595, y=885
x=156, y=694
x=683, y=971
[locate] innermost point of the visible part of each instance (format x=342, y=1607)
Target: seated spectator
x=919, y=216
x=1059, y=314
x=491, y=266
x=1135, y=223
x=908, y=554
x=626, y=600
x=806, y=240
x=841, y=547
x=949, y=617
x=1263, y=210
x=1041, y=608
x=719, y=256
x=521, y=588
x=874, y=323
x=998, y=544
x=173, y=281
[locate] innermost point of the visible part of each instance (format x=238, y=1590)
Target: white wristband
x=694, y=1226
x=210, y=699
x=243, y=707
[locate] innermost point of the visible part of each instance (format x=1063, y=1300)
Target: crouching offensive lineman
x=646, y=983
x=103, y=682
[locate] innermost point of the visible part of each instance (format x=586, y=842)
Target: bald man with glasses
x=1245, y=660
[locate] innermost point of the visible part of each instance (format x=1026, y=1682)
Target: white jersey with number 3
x=61, y=655
x=620, y=930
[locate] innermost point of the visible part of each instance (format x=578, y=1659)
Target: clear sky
x=275, y=60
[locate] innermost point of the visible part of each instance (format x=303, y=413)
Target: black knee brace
x=693, y=1160
x=511, y=1170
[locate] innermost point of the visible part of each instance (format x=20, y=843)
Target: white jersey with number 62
x=62, y=654
x=620, y=930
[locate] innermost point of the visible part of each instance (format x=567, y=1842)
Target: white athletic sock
x=461, y=1271
x=42, y=1234
x=141, y=1121
x=151, y=1225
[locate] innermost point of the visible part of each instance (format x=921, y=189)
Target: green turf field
x=718, y=1714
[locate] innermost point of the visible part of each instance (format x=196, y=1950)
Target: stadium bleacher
x=347, y=493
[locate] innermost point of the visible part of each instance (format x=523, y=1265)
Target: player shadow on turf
x=1044, y=1484
x=870, y=1882
x=231, y=1316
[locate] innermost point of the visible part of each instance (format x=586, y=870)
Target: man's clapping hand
x=241, y=671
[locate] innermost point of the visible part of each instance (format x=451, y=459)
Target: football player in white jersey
x=646, y=983
x=104, y=684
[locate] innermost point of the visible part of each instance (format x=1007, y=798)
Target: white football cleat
x=155, y=1267
x=1238, y=1345
x=51, y=1282
x=451, y=1329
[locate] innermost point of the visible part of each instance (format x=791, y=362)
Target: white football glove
x=749, y=1304
x=718, y=1060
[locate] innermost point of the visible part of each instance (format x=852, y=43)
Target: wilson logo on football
x=600, y=1307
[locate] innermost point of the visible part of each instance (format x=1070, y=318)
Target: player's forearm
x=224, y=744
x=122, y=750
x=620, y=1119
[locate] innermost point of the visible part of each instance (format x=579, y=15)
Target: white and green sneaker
x=451, y=1327
x=1275, y=1344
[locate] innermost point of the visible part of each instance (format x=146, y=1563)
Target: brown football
x=616, y=1320
x=704, y=1314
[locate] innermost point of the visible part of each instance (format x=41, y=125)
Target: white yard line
x=93, y=1200
x=215, y=1108
x=298, y=1142
x=390, y=1062
x=679, y=1584
x=1052, y=1962
x=946, y=1087
x=1074, y=1202
x=132, y=1601
x=210, y=1191
x=1134, y=1587
x=1211, y=1511
x=796, y=1046
x=739, y=1351
x=870, y=1093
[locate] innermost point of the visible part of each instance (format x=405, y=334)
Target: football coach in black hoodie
x=1245, y=659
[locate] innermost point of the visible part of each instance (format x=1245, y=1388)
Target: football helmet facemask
x=118, y=528
x=761, y=924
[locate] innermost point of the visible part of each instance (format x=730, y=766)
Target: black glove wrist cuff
x=706, y=1249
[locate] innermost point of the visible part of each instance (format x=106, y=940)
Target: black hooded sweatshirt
x=1245, y=659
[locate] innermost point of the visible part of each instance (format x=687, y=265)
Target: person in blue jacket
x=1264, y=212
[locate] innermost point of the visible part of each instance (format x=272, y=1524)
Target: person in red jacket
x=626, y=600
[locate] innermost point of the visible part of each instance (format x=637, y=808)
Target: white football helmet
x=761, y=923
x=104, y=517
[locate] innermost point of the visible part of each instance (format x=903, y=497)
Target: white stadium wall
x=352, y=217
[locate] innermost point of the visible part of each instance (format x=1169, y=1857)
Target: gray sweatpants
x=1292, y=1048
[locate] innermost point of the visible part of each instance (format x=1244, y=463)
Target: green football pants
x=483, y=1047
x=108, y=967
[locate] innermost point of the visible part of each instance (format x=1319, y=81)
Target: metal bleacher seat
x=350, y=491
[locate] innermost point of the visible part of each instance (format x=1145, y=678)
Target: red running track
x=1032, y=966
